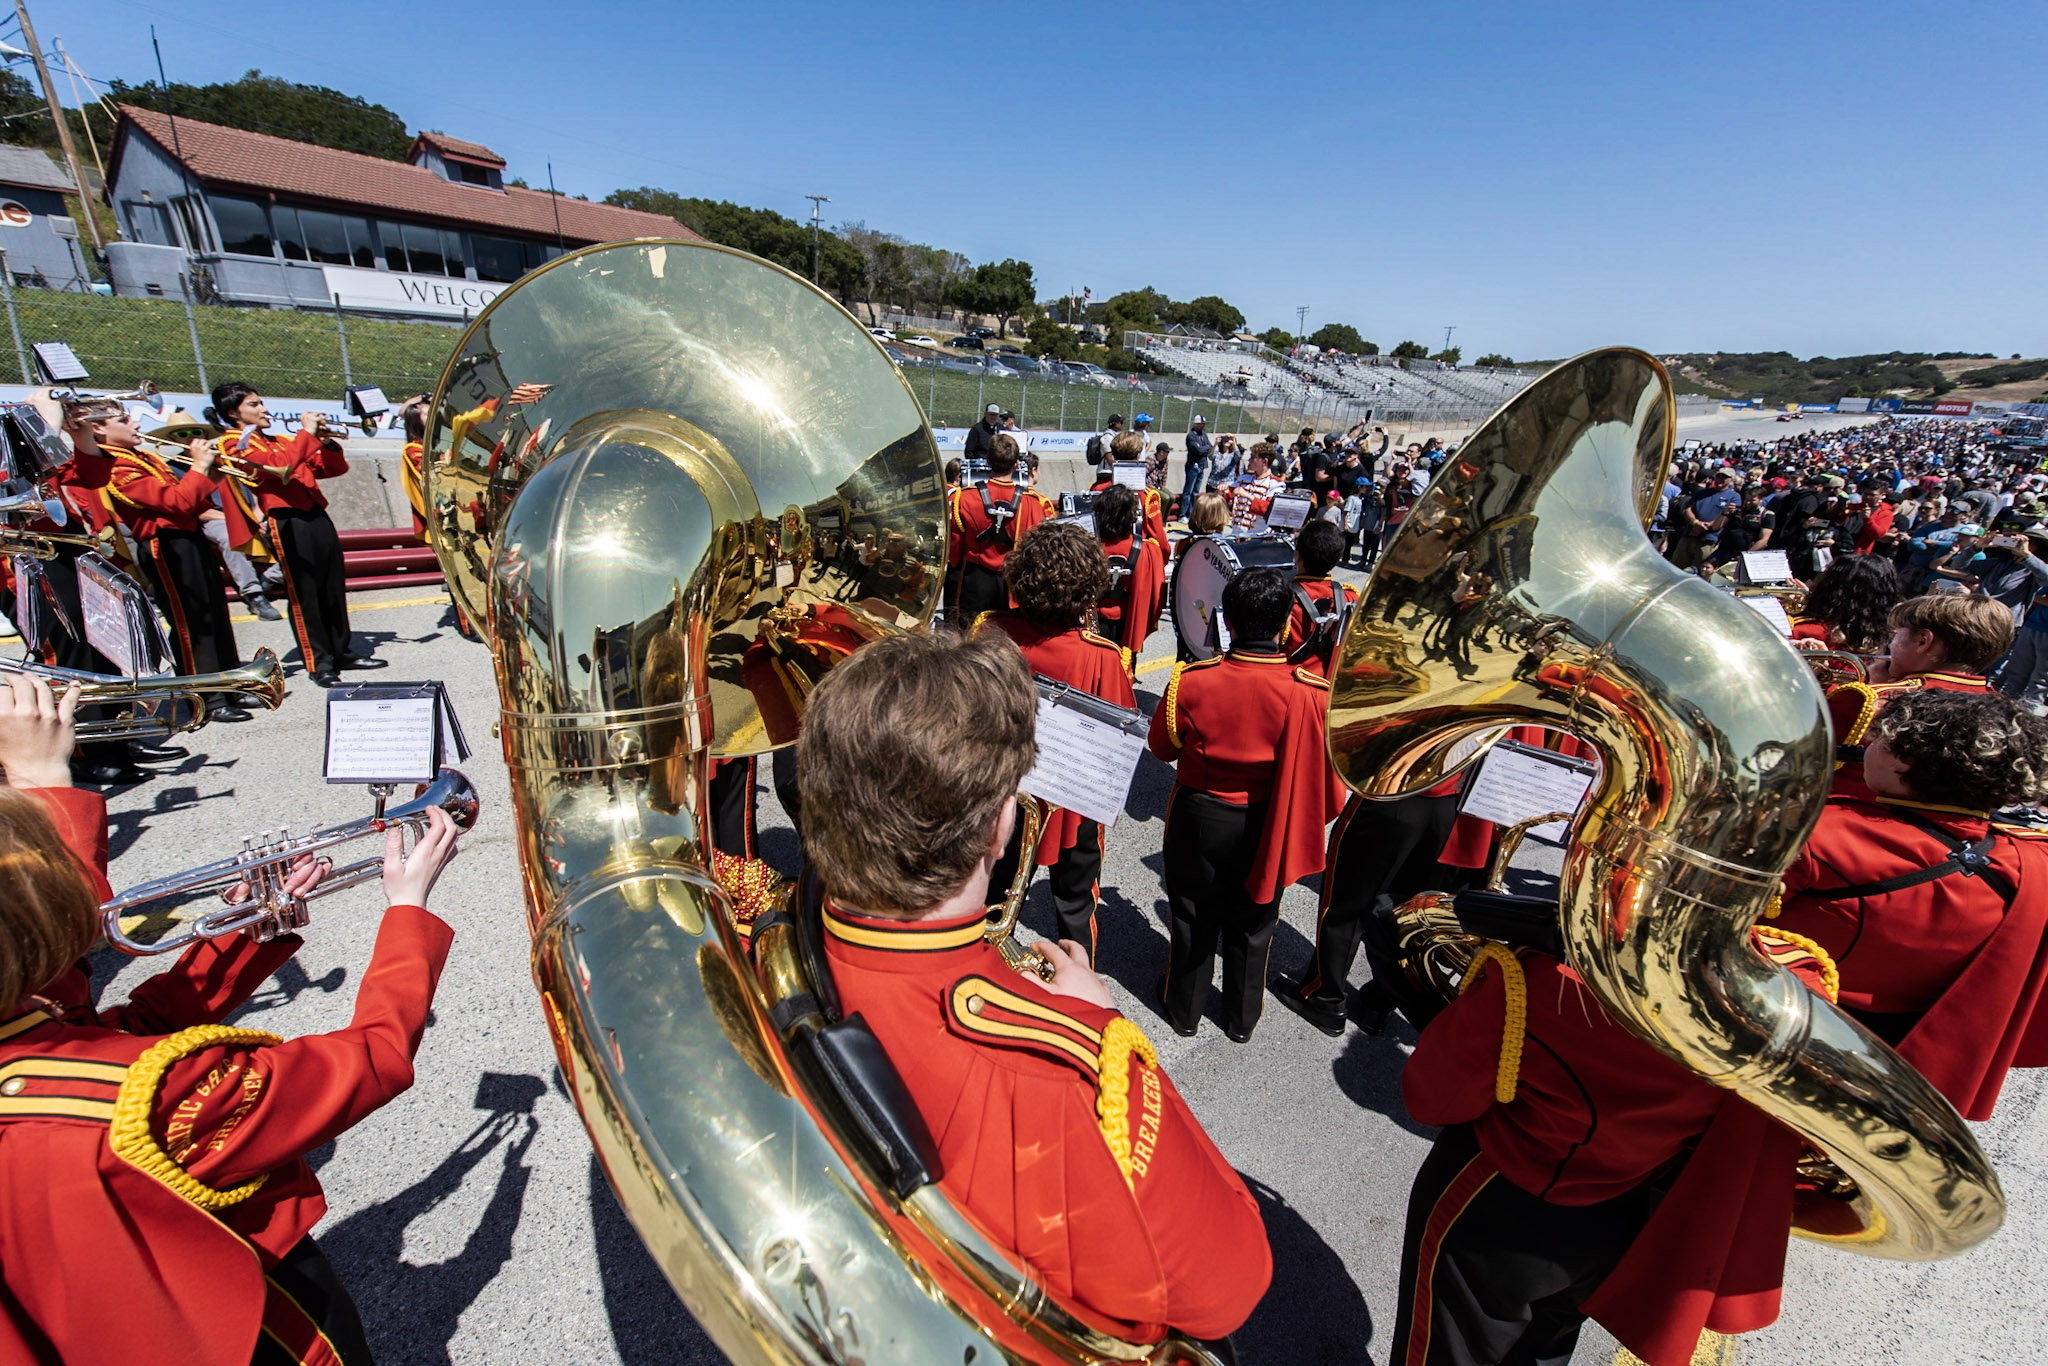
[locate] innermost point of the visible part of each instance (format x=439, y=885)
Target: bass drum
x=1205, y=566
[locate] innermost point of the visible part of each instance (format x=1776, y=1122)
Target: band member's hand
x=307, y=872
x=409, y=877
x=1071, y=975
x=36, y=732
x=204, y=455
x=527, y=393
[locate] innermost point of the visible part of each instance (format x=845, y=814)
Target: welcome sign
x=395, y=291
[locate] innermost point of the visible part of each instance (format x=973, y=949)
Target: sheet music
x=1289, y=512
x=1771, y=610
x=1516, y=783
x=1129, y=473
x=1084, y=765
x=1767, y=566
x=108, y=627
x=384, y=739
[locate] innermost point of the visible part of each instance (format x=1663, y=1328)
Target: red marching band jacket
x=1322, y=592
x=1853, y=706
x=165, y=1153
x=308, y=459
x=1595, y=1113
x=153, y=497
x=1248, y=729
x=1960, y=968
x=1141, y=597
x=1080, y=659
x=1057, y=1131
x=967, y=545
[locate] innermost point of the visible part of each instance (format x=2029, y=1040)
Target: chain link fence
x=187, y=346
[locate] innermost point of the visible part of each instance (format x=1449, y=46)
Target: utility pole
x=1301, y=323
x=35, y=53
x=816, y=201
x=1447, y=336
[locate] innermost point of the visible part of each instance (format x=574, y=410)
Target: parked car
x=1087, y=373
x=967, y=343
x=881, y=334
x=1027, y=364
x=1010, y=349
x=997, y=369
x=981, y=331
x=901, y=358
x=922, y=340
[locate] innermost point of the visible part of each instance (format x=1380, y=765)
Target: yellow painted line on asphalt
x=1155, y=666
x=356, y=607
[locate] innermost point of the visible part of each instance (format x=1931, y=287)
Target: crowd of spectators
x=1871, y=515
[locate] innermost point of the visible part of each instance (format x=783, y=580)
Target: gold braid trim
x=1830, y=975
x=1129, y=661
x=980, y=621
x=1112, y=1087
x=128, y=1132
x=1172, y=705
x=1517, y=988
x=1775, y=906
x=1867, y=698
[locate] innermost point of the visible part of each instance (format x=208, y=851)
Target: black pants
x=309, y=551
x=1492, y=1274
x=981, y=590
x=733, y=825
x=1385, y=853
x=1209, y=849
x=189, y=578
x=305, y=1295
x=1076, y=881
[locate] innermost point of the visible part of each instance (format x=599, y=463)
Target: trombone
x=44, y=545
x=264, y=863
x=261, y=681
x=172, y=452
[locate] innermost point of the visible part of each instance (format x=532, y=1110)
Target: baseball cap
x=1115, y=418
x=1836, y=481
x=1142, y=417
x=1197, y=419
x=993, y=408
x=1970, y=529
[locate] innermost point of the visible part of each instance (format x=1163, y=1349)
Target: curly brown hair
x=1854, y=596
x=1977, y=750
x=1056, y=575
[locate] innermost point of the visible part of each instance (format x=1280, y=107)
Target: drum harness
x=999, y=515
x=1122, y=566
x=1325, y=627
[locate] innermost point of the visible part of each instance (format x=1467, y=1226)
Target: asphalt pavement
x=472, y=1225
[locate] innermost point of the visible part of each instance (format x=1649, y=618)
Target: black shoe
x=1288, y=993
x=1237, y=1035
x=108, y=775
x=260, y=605
x=142, y=752
x=1173, y=1024
x=363, y=662
x=326, y=680
x=228, y=714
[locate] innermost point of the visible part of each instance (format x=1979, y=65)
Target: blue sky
x=1815, y=178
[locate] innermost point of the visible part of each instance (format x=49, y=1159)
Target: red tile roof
x=456, y=147
x=233, y=158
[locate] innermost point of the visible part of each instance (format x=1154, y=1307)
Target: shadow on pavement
x=1368, y=1072
x=1314, y=1313
x=650, y=1327
x=286, y=985
x=412, y=1312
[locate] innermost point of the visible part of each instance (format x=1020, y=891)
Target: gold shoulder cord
x=1172, y=705
x=1112, y=1087
x=1516, y=985
x=129, y=1134
x=1831, y=976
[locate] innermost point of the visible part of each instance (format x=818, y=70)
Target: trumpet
x=262, y=866
x=173, y=452
x=44, y=545
x=261, y=680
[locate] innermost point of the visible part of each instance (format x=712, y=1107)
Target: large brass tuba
x=664, y=552
x=1521, y=589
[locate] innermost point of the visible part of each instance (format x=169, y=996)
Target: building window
x=289, y=240
x=394, y=245
x=502, y=259
x=192, y=222
x=423, y=246
x=362, y=242
x=473, y=175
x=326, y=237
x=244, y=225
x=150, y=223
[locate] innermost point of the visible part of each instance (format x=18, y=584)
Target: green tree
x=1000, y=289
x=24, y=120
x=1208, y=311
x=1044, y=337
x=1494, y=359
x=1449, y=355
x=1409, y=350
x=270, y=104
x=1279, y=338
x=1344, y=337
